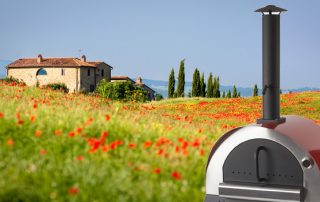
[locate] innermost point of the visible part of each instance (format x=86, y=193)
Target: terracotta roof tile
x=120, y=77
x=95, y=63
x=50, y=62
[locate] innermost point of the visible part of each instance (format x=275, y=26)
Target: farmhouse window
x=88, y=72
x=63, y=72
x=102, y=72
x=41, y=72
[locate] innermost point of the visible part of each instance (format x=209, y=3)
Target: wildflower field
x=66, y=147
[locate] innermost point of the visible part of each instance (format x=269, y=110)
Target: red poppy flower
x=71, y=134
x=79, y=158
x=107, y=117
x=57, y=132
x=38, y=133
x=147, y=144
x=79, y=130
x=10, y=141
x=131, y=145
x=73, y=191
x=20, y=122
x=201, y=152
x=160, y=151
x=177, y=149
x=196, y=143
x=43, y=152
x=104, y=134
x=176, y=175
x=32, y=118
x=105, y=148
x=157, y=170
x=1, y=115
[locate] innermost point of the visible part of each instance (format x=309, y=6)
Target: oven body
x=266, y=163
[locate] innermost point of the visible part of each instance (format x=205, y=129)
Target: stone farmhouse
x=138, y=82
x=77, y=73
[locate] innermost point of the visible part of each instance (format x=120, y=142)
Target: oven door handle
x=256, y=156
x=260, y=193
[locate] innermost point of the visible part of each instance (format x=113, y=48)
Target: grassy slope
x=51, y=147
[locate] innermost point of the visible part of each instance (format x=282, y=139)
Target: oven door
x=262, y=170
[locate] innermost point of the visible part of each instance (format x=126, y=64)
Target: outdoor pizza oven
x=276, y=159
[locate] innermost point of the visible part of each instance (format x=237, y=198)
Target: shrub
x=158, y=97
x=125, y=91
x=13, y=81
x=57, y=86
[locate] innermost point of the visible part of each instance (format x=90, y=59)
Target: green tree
x=158, y=97
x=210, y=86
x=255, y=90
x=229, y=94
x=218, y=88
x=223, y=94
x=202, y=86
x=189, y=93
x=239, y=94
x=214, y=87
x=234, y=92
x=181, y=80
x=196, y=91
x=171, y=84
x=124, y=91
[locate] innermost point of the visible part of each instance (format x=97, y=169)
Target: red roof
x=52, y=62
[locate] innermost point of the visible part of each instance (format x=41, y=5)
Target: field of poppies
x=66, y=147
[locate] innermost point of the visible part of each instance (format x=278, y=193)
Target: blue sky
x=147, y=37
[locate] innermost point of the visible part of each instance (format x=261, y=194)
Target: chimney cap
x=270, y=8
x=83, y=58
x=39, y=58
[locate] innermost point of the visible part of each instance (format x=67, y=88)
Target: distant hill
x=162, y=88
x=3, y=64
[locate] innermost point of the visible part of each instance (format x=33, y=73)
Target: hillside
x=3, y=64
x=65, y=147
x=162, y=88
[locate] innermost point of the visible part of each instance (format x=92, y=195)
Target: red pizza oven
x=276, y=159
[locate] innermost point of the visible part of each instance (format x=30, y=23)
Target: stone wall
x=29, y=76
x=87, y=82
x=107, y=73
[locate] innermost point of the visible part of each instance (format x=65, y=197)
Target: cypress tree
x=171, y=84
x=218, y=88
x=196, y=92
x=189, y=93
x=223, y=94
x=229, y=94
x=239, y=95
x=234, y=92
x=181, y=80
x=214, y=87
x=210, y=86
x=255, y=90
x=202, y=86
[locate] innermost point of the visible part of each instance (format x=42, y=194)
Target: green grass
x=43, y=166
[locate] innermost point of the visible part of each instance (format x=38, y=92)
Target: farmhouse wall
x=71, y=76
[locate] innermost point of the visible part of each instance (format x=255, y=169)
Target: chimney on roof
x=83, y=58
x=39, y=58
x=139, y=80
